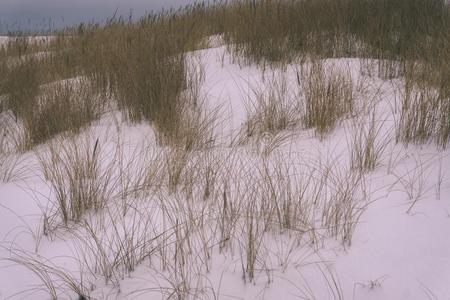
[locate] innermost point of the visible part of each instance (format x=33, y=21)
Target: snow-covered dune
x=398, y=248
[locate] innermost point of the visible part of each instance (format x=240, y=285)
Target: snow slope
x=393, y=254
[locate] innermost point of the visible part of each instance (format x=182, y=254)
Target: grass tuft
x=328, y=97
x=74, y=171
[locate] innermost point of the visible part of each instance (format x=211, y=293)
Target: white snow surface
x=393, y=254
x=3, y=39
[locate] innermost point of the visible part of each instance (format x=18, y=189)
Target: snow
x=36, y=38
x=393, y=254
x=3, y=40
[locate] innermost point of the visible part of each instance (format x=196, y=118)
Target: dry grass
x=12, y=160
x=61, y=107
x=275, y=31
x=139, y=67
x=73, y=169
x=368, y=143
x=412, y=179
x=272, y=108
x=21, y=86
x=56, y=281
x=22, y=45
x=171, y=218
x=171, y=205
x=425, y=116
x=328, y=97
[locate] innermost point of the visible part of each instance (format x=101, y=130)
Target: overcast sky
x=35, y=14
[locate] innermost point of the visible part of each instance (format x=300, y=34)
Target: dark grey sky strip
x=42, y=14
